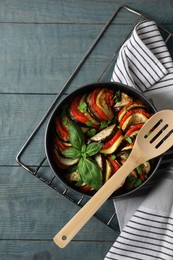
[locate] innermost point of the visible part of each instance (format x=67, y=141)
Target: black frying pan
x=50, y=128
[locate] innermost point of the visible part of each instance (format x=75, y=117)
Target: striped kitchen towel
x=146, y=220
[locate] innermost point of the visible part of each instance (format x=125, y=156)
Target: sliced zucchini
x=146, y=167
x=90, y=108
x=114, y=147
x=71, y=177
x=127, y=147
x=86, y=113
x=100, y=159
x=128, y=107
x=108, y=171
x=133, y=119
x=101, y=103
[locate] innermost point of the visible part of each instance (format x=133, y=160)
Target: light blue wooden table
x=41, y=43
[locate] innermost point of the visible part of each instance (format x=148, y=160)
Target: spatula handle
x=67, y=233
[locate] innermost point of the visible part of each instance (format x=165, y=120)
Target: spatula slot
x=153, y=128
x=158, y=134
x=164, y=139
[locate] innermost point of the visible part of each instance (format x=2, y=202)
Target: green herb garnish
x=103, y=124
x=113, y=157
x=128, y=139
x=91, y=132
x=83, y=107
x=138, y=183
x=117, y=96
x=148, y=134
x=127, y=155
x=88, y=123
x=89, y=172
x=125, y=109
x=139, y=169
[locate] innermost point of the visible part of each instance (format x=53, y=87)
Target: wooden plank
x=19, y=116
x=77, y=11
x=41, y=43
x=46, y=250
x=39, y=58
x=32, y=210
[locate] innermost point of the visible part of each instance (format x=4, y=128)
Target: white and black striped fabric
x=144, y=63
x=146, y=221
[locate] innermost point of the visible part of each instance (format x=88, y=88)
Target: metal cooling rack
x=41, y=170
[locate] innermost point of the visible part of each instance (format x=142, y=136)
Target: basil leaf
x=90, y=173
x=76, y=135
x=93, y=148
x=83, y=150
x=72, y=153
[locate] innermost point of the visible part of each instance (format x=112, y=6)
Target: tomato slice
x=126, y=108
x=75, y=112
x=112, y=140
x=61, y=130
x=109, y=98
x=115, y=165
x=95, y=107
x=104, y=100
x=85, y=188
x=142, y=176
x=131, y=112
x=60, y=144
x=134, y=128
x=56, y=161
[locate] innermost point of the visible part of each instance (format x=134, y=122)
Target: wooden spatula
x=154, y=138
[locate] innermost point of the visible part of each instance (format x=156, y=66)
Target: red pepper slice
x=132, y=112
x=109, y=98
x=61, y=130
x=112, y=140
x=134, y=128
x=142, y=176
x=85, y=188
x=60, y=165
x=104, y=98
x=60, y=144
x=95, y=107
x=76, y=113
x=115, y=165
x=127, y=107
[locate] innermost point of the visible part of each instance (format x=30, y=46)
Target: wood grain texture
x=46, y=250
x=77, y=11
x=40, y=59
x=32, y=210
x=41, y=43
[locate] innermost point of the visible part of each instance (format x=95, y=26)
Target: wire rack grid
x=42, y=171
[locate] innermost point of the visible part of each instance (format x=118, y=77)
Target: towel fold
x=146, y=220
